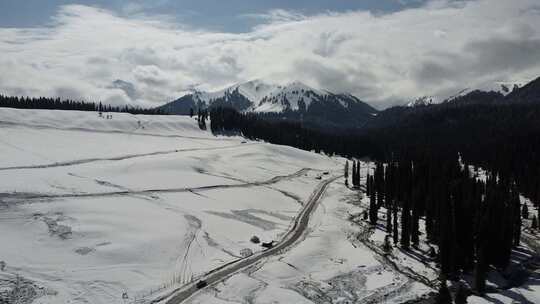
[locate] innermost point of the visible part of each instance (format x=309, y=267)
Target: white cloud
x=436, y=49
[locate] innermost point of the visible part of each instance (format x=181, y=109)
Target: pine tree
x=534, y=224
x=354, y=174
x=358, y=167
x=387, y=247
x=517, y=222
x=525, y=211
x=379, y=182
x=480, y=271
x=372, y=209
x=368, y=184
x=389, y=217
x=395, y=233
x=443, y=297
x=346, y=171
x=461, y=294
x=405, y=225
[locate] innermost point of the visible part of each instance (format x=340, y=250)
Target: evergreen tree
x=389, y=218
x=379, y=183
x=358, y=167
x=415, y=232
x=354, y=174
x=461, y=294
x=372, y=209
x=534, y=224
x=368, y=185
x=481, y=267
x=443, y=297
x=387, y=247
x=525, y=211
x=346, y=171
x=405, y=225
x=517, y=221
x=395, y=233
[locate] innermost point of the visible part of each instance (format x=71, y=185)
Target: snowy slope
x=92, y=208
x=422, y=101
x=288, y=97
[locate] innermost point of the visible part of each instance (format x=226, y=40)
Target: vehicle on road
x=201, y=284
x=268, y=245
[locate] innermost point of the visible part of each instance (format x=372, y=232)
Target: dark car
x=268, y=245
x=201, y=284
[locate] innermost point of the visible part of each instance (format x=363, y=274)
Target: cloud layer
x=437, y=49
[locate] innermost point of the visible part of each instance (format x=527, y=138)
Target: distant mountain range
x=297, y=101
x=400, y=115
x=294, y=100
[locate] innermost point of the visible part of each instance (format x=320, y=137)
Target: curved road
x=217, y=275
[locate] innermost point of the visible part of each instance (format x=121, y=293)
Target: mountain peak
x=421, y=102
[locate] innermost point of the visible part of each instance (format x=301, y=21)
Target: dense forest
x=59, y=104
x=474, y=223
x=504, y=139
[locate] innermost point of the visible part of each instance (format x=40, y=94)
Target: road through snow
x=217, y=275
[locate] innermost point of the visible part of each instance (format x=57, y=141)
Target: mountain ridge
x=293, y=100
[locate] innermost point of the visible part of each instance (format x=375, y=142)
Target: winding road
x=298, y=228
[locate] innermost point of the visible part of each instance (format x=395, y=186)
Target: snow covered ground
x=328, y=266
x=91, y=208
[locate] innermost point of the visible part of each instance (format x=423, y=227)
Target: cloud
x=435, y=49
x=127, y=87
x=277, y=16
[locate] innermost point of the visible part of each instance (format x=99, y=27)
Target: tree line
x=67, y=104
x=504, y=139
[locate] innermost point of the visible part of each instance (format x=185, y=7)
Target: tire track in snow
x=183, y=268
x=19, y=197
x=116, y=158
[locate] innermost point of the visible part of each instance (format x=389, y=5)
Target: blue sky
x=386, y=52
x=225, y=15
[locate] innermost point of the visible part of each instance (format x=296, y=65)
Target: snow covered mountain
x=497, y=89
x=421, y=102
x=264, y=97
x=481, y=94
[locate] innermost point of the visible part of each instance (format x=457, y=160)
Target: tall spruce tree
x=525, y=211
x=372, y=209
x=346, y=173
